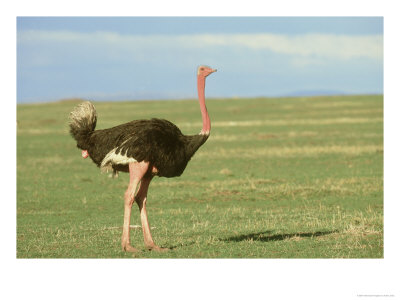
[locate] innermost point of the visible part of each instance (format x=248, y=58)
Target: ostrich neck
x=201, y=83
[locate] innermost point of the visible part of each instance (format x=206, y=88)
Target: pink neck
x=201, y=83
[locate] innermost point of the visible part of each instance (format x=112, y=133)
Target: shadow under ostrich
x=144, y=148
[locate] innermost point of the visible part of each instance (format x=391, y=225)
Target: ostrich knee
x=129, y=198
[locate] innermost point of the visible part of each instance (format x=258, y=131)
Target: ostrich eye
x=201, y=69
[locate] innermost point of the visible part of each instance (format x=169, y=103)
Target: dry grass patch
x=301, y=151
x=287, y=122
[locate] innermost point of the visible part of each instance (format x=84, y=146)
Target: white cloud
x=326, y=46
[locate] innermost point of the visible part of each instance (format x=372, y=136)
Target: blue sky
x=125, y=58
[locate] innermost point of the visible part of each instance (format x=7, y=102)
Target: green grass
x=278, y=178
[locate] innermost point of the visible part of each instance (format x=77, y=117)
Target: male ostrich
x=144, y=148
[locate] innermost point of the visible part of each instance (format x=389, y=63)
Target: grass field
x=278, y=178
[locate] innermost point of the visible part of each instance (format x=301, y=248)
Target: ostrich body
x=144, y=148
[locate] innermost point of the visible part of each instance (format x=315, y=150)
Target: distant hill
x=304, y=93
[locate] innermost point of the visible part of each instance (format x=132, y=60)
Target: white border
x=201, y=279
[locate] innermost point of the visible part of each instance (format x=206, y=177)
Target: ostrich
x=144, y=148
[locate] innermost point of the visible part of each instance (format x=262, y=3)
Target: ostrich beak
x=214, y=70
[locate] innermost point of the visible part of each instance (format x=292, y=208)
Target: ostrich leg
x=136, y=173
x=141, y=199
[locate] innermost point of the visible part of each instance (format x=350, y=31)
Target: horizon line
x=77, y=99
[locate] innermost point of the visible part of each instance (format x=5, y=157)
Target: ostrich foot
x=129, y=248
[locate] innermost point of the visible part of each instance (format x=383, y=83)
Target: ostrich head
x=205, y=71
